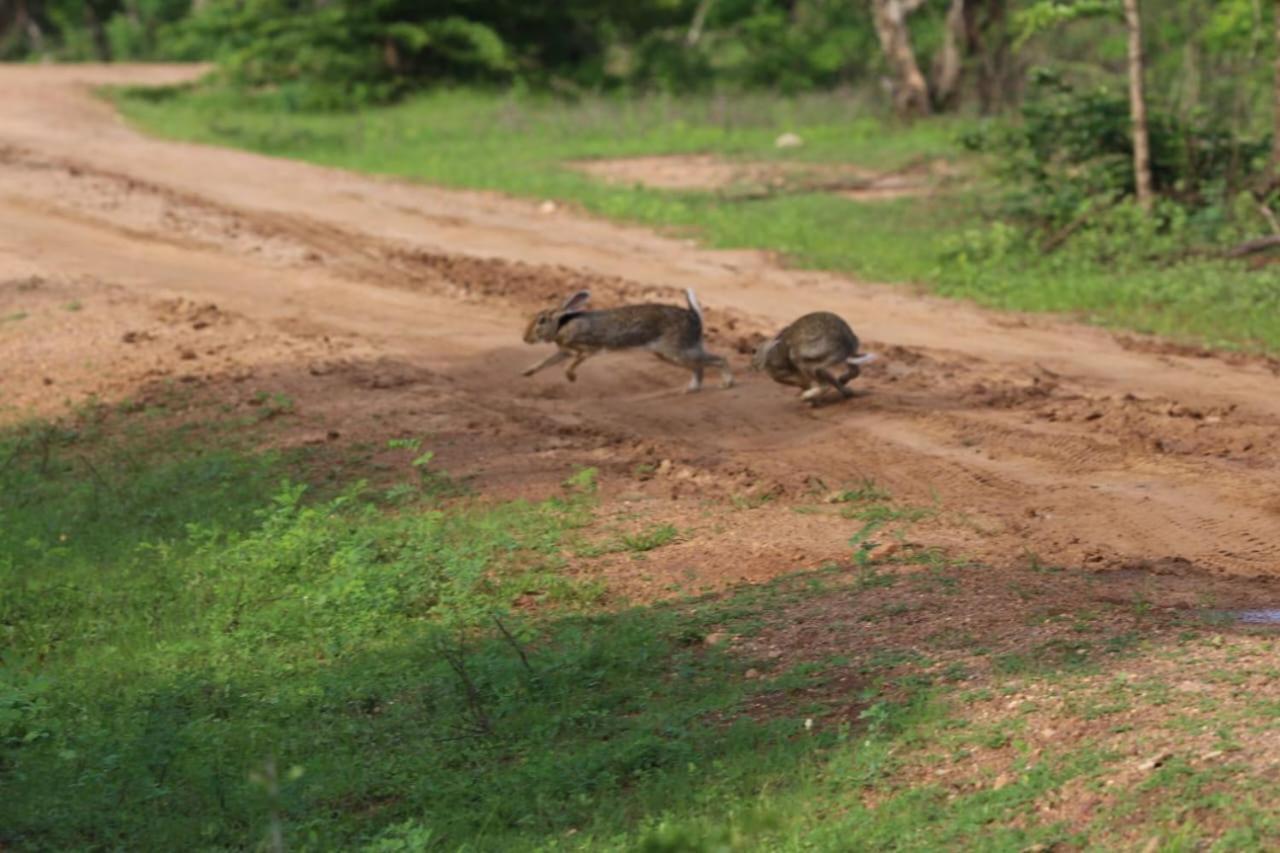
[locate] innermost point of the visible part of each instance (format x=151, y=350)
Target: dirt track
x=379, y=299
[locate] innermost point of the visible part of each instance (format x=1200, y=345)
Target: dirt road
x=376, y=300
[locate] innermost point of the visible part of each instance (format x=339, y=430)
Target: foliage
x=1071, y=152
x=1045, y=15
x=787, y=47
x=341, y=53
x=96, y=29
x=344, y=52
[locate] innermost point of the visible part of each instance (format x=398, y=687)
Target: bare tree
x=93, y=21
x=948, y=64
x=1275, y=119
x=692, y=37
x=911, y=91
x=19, y=27
x=990, y=43
x=1138, y=106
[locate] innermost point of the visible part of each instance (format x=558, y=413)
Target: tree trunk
x=1275, y=118
x=948, y=65
x=1138, y=107
x=98, y=31
x=911, y=92
x=986, y=25
x=694, y=35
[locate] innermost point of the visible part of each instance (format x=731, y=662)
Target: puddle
x=1256, y=617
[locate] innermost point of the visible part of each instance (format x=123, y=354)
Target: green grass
x=654, y=536
x=200, y=650
x=520, y=144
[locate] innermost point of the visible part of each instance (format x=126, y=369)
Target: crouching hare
x=816, y=352
x=671, y=333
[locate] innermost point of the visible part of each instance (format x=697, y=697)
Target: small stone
x=1154, y=762
x=547, y=206
x=788, y=140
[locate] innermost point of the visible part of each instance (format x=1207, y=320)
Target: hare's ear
x=576, y=301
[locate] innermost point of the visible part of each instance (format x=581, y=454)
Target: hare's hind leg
x=721, y=363
x=699, y=360
x=696, y=360
x=555, y=358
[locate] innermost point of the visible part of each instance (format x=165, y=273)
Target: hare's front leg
x=582, y=355
x=555, y=358
x=838, y=384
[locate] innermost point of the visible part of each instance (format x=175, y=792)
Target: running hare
x=672, y=334
x=808, y=351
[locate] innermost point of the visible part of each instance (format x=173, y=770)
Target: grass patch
x=654, y=536
x=865, y=492
x=207, y=648
x=208, y=651
x=203, y=649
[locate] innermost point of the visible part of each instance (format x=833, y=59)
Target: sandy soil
x=387, y=308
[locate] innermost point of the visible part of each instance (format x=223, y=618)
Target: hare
x=810, y=352
x=672, y=334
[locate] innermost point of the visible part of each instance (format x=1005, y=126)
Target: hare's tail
x=692, y=299
x=865, y=358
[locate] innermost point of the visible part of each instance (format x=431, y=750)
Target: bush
x=1072, y=150
x=345, y=53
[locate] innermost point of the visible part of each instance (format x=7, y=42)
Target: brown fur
x=816, y=352
x=671, y=333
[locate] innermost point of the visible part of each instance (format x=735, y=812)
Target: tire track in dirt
x=1057, y=439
